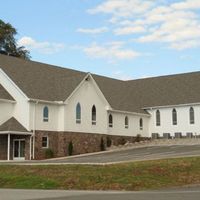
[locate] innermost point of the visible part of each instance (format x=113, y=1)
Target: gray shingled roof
x=134, y=95
x=12, y=125
x=41, y=81
x=47, y=82
x=4, y=94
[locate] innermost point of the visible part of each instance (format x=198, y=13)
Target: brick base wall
x=82, y=142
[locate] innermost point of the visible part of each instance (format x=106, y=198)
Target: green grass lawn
x=127, y=176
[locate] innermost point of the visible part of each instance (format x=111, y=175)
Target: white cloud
x=122, y=8
x=41, y=47
x=189, y=4
x=176, y=24
x=121, y=75
x=185, y=45
x=110, y=51
x=129, y=30
x=93, y=31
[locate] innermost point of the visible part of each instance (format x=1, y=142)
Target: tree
x=8, y=44
x=70, y=148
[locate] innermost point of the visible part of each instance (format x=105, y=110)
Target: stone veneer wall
x=3, y=147
x=82, y=142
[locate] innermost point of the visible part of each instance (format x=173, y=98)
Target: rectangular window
x=45, y=119
x=110, y=125
x=93, y=122
x=45, y=142
x=78, y=121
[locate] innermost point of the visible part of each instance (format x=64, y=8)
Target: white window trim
x=47, y=142
x=94, y=122
x=78, y=121
x=110, y=125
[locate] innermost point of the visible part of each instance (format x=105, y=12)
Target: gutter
x=46, y=101
x=16, y=132
x=9, y=101
x=132, y=113
x=169, y=106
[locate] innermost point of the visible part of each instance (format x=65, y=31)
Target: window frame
x=46, y=142
x=158, y=118
x=126, y=122
x=141, y=123
x=110, y=121
x=192, y=115
x=94, y=115
x=174, y=117
x=78, y=113
x=45, y=114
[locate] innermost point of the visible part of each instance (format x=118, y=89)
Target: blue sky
x=125, y=39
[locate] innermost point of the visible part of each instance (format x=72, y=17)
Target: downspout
x=34, y=127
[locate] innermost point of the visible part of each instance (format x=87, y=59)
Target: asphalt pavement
x=132, y=154
x=121, y=155
x=174, y=194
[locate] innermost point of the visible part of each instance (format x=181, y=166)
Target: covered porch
x=15, y=141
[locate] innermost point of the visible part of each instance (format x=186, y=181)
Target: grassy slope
x=128, y=176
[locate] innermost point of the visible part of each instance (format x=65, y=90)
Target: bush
x=49, y=153
x=102, y=145
x=70, y=148
x=122, y=141
x=138, y=138
x=108, y=141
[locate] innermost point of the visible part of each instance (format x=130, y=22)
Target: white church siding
x=6, y=109
x=54, y=121
x=87, y=95
x=21, y=107
x=183, y=120
x=133, y=125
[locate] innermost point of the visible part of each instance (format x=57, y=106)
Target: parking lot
x=133, y=154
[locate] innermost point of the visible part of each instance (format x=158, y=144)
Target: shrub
x=138, y=138
x=121, y=141
x=108, y=141
x=102, y=145
x=49, y=153
x=70, y=148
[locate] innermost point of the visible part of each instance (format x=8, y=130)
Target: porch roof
x=12, y=126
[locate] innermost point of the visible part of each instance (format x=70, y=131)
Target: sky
x=124, y=39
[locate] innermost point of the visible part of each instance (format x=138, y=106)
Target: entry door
x=19, y=149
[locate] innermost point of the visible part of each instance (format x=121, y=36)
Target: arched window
x=45, y=114
x=157, y=118
x=191, y=115
x=174, y=117
x=126, y=122
x=141, y=124
x=94, y=115
x=110, y=121
x=78, y=113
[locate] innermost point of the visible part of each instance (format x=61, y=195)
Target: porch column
x=30, y=149
x=8, y=151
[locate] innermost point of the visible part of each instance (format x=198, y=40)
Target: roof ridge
x=164, y=76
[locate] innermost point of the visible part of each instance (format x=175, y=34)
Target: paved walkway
x=192, y=193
